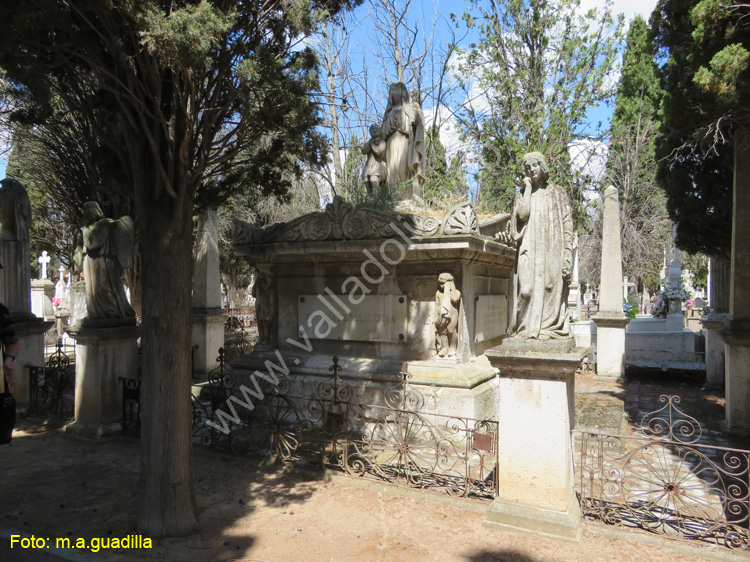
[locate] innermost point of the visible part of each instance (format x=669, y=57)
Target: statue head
x=376, y=131
x=444, y=278
x=397, y=94
x=92, y=212
x=539, y=158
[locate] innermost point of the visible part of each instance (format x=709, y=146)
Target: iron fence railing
x=668, y=480
x=52, y=387
x=394, y=441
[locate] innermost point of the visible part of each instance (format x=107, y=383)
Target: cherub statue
x=265, y=310
x=447, y=300
x=376, y=170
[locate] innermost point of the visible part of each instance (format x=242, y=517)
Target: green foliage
x=185, y=37
x=352, y=184
x=540, y=65
x=443, y=184
x=631, y=166
x=706, y=87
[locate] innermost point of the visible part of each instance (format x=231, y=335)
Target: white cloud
x=630, y=8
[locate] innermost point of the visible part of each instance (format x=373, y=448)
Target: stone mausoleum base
x=449, y=388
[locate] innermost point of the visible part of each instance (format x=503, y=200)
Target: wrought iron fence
x=237, y=336
x=395, y=441
x=52, y=387
x=668, y=481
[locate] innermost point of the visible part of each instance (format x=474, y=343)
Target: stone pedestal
x=713, y=324
x=208, y=337
x=610, y=346
x=737, y=383
x=14, y=281
x=675, y=317
x=31, y=354
x=103, y=357
x=536, y=409
x=41, y=299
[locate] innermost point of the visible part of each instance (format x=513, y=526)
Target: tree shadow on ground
x=500, y=556
x=56, y=486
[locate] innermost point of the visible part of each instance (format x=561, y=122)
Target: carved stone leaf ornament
x=461, y=219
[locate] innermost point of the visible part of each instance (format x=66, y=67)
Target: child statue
x=375, y=166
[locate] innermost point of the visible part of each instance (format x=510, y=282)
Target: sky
x=630, y=8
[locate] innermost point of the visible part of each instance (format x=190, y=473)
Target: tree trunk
x=167, y=498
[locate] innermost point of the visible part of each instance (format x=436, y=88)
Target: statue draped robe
x=545, y=247
x=108, y=247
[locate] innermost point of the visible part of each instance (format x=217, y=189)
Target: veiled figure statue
x=107, y=250
x=541, y=223
x=403, y=131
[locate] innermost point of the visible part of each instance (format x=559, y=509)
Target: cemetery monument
x=15, y=283
x=537, y=368
x=106, y=336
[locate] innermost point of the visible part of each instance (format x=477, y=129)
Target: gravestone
x=208, y=316
x=610, y=320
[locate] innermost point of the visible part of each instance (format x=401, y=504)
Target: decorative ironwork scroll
x=667, y=482
x=52, y=388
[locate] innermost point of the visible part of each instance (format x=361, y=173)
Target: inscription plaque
x=378, y=318
x=490, y=317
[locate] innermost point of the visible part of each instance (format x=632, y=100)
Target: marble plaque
x=378, y=318
x=490, y=317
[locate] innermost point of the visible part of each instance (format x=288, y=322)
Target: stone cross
x=43, y=260
x=61, y=272
x=626, y=285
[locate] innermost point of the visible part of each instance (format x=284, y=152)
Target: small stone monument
x=537, y=368
x=610, y=320
x=106, y=337
x=42, y=291
x=15, y=286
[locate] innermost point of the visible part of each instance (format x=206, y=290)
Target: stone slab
x=377, y=318
x=490, y=317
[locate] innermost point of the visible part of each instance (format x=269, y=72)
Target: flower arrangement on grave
x=674, y=293
x=630, y=307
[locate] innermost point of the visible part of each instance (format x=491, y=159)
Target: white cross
x=61, y=271
x=43, y=261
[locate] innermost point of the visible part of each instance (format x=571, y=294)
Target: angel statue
x=107, y=250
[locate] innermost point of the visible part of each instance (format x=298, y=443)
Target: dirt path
x=54, y=486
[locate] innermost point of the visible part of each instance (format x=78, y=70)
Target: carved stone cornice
x=341, y=221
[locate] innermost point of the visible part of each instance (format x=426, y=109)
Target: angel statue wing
x=123, y=237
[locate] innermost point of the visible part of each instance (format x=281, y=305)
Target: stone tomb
x=386, y=293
